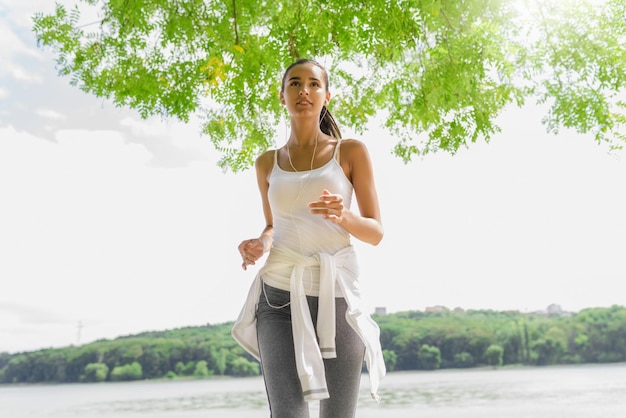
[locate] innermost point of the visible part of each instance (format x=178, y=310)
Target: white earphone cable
x=297, y=198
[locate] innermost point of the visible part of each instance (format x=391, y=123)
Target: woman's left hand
x=330, y=206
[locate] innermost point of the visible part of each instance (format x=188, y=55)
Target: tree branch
x=235, y=21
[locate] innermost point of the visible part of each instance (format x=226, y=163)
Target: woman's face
x=304, y=90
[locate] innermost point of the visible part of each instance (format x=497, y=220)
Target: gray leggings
x=284, y=393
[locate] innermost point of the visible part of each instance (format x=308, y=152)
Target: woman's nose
x=304, y=91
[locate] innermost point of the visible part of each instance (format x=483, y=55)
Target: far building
x=380, y=310
x=554, y=309
x=436, y=308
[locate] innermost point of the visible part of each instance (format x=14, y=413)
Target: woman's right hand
x=251, y=250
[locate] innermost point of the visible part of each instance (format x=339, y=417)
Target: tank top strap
x=336, y=153
x=276, y=157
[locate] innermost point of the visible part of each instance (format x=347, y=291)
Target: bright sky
x=112, y=225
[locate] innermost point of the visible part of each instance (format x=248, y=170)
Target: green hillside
x=411, y=340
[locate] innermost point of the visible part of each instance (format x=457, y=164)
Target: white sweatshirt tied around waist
x=340, y=269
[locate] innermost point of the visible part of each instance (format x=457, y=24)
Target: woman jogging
x=304, y=319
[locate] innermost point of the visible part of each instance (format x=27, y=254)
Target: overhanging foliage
x=438, y=72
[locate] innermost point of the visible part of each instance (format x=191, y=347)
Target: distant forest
x=410, y=340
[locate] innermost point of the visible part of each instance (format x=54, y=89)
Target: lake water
x=583, y=391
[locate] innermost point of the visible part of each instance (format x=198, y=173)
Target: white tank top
x=295, y=227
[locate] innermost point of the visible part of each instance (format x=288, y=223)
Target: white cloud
x=12, y=49
x=50, y=114
x=20, y=74
x=142, y=128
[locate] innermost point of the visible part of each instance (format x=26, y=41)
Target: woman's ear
x=327, y=98
x=282, y=98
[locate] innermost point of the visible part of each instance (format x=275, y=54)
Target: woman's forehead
x=305, y=70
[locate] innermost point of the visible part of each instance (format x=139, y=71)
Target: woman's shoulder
x=266, y=156
x=265, y=161
x=354, y=157
x=353, y=148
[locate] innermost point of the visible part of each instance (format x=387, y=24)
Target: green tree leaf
x=438, y=72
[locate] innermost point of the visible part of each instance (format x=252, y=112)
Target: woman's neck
x=304, y=134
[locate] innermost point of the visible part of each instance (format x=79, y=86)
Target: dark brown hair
x=328, y=125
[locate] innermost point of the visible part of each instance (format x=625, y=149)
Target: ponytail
x=328, y=125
